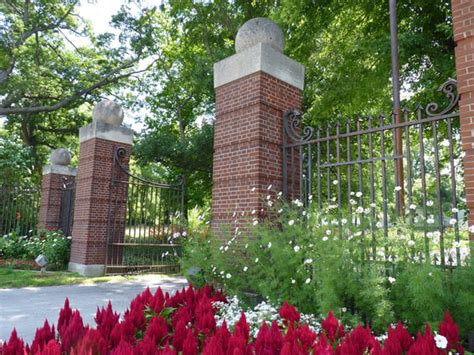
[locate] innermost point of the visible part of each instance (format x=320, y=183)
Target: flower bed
x=187, y=323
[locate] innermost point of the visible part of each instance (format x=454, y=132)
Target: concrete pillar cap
x=108, y=112
x=60, y=156
x=259, y=30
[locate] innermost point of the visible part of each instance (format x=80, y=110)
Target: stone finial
x=108, y=112
x=60, y=156
x=259, y=30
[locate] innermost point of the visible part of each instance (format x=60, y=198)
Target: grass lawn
x=12, y=278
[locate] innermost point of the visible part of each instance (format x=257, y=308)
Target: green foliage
x=52, y=244
x=307, y=259
x=15, y=159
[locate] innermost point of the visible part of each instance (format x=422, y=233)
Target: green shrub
x=321, y=265
x=52, y=244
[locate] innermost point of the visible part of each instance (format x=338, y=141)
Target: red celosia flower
x=14, y=346
x=223, y=334
x=424, y=344
x=146, y=346
x=180, y=333
x=306, y=337
x=157, y=330
x=42, y=337
x=72, y=332
x=362, y=339
x=168, y=351
x=65, y=315
x=289, y=313
x=91, y=343
x=123, y=348
x=450, y=330
x=322, y=347
x=331, y=326
x=242, y=328
x=190, y=345
x=237, y=345
x=52, y=348
x=106, y=319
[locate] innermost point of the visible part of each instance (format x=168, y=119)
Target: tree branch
x=78, y=94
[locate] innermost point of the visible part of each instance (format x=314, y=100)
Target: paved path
x=26, y=308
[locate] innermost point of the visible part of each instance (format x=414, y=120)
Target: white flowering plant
x=52, y=244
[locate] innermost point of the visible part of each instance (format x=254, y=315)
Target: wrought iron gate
x=19, y=206
x=66, y=213
x=145, y=222
x=351, y=170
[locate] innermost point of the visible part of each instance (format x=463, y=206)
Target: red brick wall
x=248, y=144
x=50, y=202
x=463, y=23
x=91, y=209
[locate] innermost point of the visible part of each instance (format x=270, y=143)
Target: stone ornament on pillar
x=98, y=141
x=52, y=180
x=254, y=87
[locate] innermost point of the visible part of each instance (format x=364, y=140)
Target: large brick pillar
x=51, y=182
x=463, y=23
x=98, y=142
x=254, y=88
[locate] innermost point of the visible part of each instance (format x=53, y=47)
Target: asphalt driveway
x=26, y=308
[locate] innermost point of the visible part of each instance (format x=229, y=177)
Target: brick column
x=51, y=182
x=254, y=88
x=98, y=142
x=463, y=23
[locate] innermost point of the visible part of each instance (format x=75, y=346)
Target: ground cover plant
x=194, y=321
x=318, y=265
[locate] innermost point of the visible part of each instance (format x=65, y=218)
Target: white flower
x=280, y=194
x=398, y=188
x=445, y=143
x=176, y=235
x=454, y=210
x=373, y=205
x=335, y=182
x=256, y=260
x=253, y=212
x=269, y=245
x=344, y=309
x=430, y=274
x=245, y=268
x=255, y=222
x=429, y=235
x=411, y=243
x=453, y=221
x=304, y=213
x=246, y=246
x=328, y=232
x=429, y=203
x=269, y=187
x=270, y=203
x=441, y=341
x=413, y=206
x=343, y=221
x=352, y=193
x=379, y=224
x=308, y=280
x=310, y=197
x=253, y=189
x=268, y=197
x=226, y=248
x=430, y=220
x=358, y=194
x=325, y=238
x=391, y=280
x=293, y=281
x=234, y=214
x=228, y=276
x=436, y=234
x=352, y=202
x=280, y=210
x=291, y=222
x=360, y=209
x=296, y=248
x=222, y=272
x=308, y=261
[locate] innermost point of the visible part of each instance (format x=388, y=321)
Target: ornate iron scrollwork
x=449, y=88
x=292, y=127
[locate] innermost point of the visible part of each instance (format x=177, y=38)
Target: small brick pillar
x=254, y=88
x=463, y=23
x=98, y=142
x=51, y=182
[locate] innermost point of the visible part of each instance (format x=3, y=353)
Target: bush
x=52, y=244
x=319, y=264
x=202, y=321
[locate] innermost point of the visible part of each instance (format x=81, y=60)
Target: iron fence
x=19, y=207
x=351, y=170
x=145, y=221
